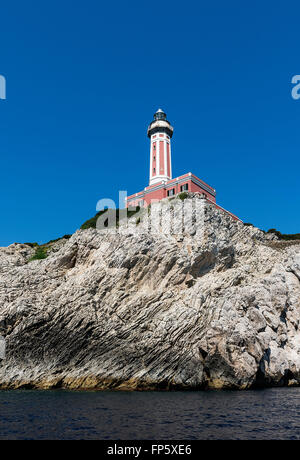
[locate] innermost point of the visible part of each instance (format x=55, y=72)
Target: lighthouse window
x=153, y=169
x=171, y=192
x=184, y=187
x=154, y=147
x=154, y=158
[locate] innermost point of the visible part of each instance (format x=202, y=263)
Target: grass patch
x=40, y=253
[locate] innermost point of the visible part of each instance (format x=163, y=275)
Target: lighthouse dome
x=160, y=124
x=160, y=115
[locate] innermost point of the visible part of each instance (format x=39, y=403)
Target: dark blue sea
x=58, y=414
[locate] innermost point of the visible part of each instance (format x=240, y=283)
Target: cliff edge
x=212, y=304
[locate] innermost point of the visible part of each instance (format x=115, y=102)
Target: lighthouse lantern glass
x=160, y=116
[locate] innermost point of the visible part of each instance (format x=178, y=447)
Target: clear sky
x=83, y=82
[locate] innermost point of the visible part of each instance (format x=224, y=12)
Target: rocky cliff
x=212, y=304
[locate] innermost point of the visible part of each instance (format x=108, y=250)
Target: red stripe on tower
x=161, y=158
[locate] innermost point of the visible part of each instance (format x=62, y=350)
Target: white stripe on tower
x=165, y=152
x=151, y=156
x=170, y=159
x=157, y=159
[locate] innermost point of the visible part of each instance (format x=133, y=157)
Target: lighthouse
x=161, y=183
x=160, y=133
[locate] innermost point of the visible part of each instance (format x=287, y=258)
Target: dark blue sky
x=83, y=82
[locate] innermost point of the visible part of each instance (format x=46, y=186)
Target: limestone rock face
x=187, y=299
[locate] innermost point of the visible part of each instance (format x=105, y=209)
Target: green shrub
x=91, y=223
x=285, y=236
x=183, y=195
x=66, y=237
x=32, y=245
x=40, y=253
x=281, y=236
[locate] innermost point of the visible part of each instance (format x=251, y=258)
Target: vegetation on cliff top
x=41, y=250
x=285, y=236
x=91, y=223
x=281, y=236
x=40, y=253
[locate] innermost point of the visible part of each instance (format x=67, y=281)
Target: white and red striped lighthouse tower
x=160, y=132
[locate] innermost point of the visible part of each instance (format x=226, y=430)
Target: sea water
x=182, y=415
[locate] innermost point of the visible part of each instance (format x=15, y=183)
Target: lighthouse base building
x=161, y=185
x=164, y=189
